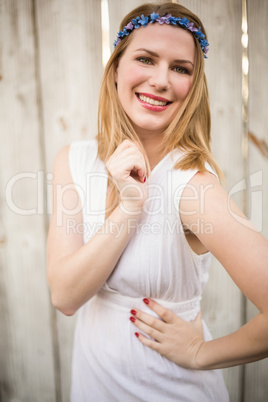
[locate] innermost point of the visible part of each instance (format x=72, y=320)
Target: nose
x=160, y=77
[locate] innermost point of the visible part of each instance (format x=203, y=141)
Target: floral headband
x=167, y=19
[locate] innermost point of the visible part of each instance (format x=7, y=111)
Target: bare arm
x=76, y=271
x=244, y=254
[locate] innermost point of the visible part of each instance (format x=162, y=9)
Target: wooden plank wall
x=26, y=347
x=50, y=72
x=69, y=44
x=256, y=375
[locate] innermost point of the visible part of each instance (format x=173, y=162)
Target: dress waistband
x=187, y=310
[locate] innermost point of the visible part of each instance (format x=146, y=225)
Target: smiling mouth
x=151, y=101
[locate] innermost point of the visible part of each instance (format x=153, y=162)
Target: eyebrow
x=156, y=55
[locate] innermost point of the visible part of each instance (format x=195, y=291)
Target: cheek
x=189, y=86
x=131, y=77
x=183, y=89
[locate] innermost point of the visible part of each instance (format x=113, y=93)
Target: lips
x=152, y=99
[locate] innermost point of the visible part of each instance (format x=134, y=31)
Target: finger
x=148, y=319
x=123, y=169
x=138, y=170
x=135, y=168
x=138, y=174
x=127, y=144
x=165, y=314
x=148, y=342
x=129, y=160
x=149, y=331
x=121, y=147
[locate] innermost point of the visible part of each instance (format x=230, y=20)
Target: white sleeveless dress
x=109, y=363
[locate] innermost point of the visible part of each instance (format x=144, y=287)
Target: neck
x=154, y=149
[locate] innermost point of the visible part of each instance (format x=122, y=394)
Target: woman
x=142, y=253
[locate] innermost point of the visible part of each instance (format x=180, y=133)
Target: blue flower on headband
x=166, y=19
x=135, y=22
x=143, y=20
x=121, y=34
x=173, y=20
x=199, y=34
x=183, y=21
x=203, y=42
x=154, y=17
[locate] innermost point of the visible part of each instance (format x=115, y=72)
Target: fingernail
x=132, y=319
x=133, y=312
x=146, y=301
x=137, y=335
x=144, y=179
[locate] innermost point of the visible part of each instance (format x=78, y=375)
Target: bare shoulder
x=205, y=177
x=61, y=168
x=63, y=153
x=203, y=194
x=203, y=182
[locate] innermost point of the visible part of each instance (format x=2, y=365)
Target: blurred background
x=52, y=54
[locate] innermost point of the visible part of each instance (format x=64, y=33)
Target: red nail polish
x=132, y=319
x=133, y=312
x=137, y=335
x=146, y=301
x=144, y=179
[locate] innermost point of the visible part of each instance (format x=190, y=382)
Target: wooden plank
x=70, y=42
x=27, y=371
x=71, y=68
x=117, y=11
x=256, y=385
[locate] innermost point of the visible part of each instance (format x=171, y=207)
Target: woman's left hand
x=174, y=338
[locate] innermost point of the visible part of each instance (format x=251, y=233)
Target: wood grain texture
x=70, y=41
x=71, y=68
x=256, y=385
x=27, y=370
x=117, y=11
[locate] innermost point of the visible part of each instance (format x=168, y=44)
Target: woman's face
x=154, y=76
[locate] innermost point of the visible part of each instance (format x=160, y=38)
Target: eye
x=180, y=70
x=144, y=60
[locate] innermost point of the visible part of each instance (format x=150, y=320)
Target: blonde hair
x=190, y=130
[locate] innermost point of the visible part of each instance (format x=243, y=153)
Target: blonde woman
x=126, y=250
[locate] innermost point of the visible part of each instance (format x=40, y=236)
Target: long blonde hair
x=190, y=130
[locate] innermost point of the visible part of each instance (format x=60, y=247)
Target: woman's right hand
x=127, y=167
x=77, y=270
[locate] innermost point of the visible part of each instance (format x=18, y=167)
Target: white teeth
x=151, y=101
